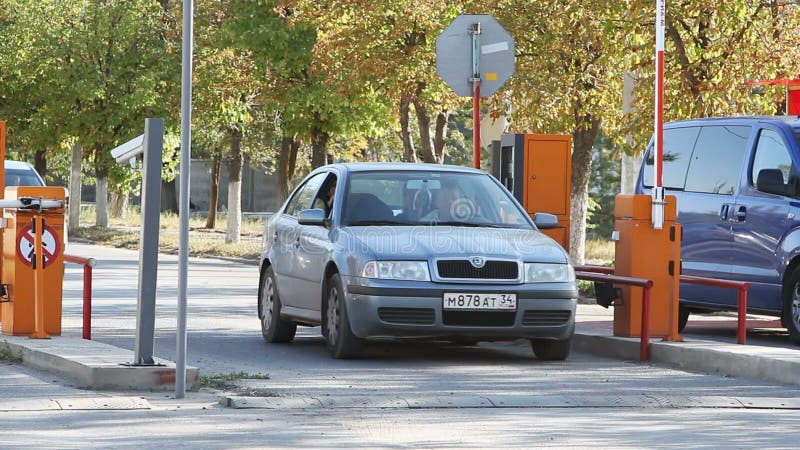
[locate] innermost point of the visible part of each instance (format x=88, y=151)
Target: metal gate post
x=148, y=242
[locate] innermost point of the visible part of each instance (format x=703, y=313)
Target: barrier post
x=644, y=350
x=87, y=302
x=741, y=332
x=37, y=224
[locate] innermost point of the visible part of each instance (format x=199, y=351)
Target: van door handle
x=741, y=214
x=297, y=242
x=723, y=212
x=275, y=237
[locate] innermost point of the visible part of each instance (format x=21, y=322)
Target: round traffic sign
x=454, y=49
x=26, y=245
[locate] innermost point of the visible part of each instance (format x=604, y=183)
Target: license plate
x=480, y=301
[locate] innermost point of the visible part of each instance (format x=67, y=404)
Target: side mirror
x=311, y=217
x=545, y=220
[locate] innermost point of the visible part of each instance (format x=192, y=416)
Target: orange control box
x=548, y=180
x=18, y=314
x=645, y=252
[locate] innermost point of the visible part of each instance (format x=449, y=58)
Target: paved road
x=224, y=338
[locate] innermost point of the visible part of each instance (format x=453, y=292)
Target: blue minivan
x=738, y=190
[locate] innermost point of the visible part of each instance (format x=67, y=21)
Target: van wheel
x=791, y=305
x=273, y=328
x=550, y=350
x=683, y=317
x=341, y=341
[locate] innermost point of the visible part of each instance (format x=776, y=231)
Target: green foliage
x=604, y=186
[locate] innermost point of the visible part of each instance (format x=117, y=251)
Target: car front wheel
x=791, y=305
x=551, y=350
x=341, y=341
x=273, y=328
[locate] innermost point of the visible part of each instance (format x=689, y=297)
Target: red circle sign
x=26, y=245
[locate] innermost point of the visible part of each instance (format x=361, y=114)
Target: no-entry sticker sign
x=26, y=245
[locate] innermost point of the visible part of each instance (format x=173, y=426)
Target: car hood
x=426, y=242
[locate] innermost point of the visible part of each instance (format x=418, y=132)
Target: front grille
x=533, y=318
x=416, y=316
x=492, y=270
x=479, y=318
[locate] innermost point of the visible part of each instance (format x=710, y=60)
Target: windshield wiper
x=456, y=223
x=359, y=223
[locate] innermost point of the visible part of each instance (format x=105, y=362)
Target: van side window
x=678, y=146
x=717, y=159
x=773, y=171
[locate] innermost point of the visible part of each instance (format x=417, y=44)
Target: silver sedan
x=374, y=251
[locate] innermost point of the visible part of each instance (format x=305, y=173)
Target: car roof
x=401, y=166
x=18, y=165
x=793, y=121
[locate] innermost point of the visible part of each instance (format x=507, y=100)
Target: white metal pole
x=658, y=166
x=183, y=210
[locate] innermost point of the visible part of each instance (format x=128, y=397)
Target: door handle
x=275, y=237
x=297, y=242
x=723, y=212
x=741, y=214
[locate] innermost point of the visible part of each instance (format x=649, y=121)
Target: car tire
x=791, y=305
x=551, y=350
x=683, y=317
x=273, y=327
x=339, y=337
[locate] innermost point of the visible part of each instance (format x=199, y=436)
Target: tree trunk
x=409, y=152
x=234, y=230
x=440, y=136
x=424, y=124
x=119, y=204
x=319, y=147
x=169, y=196
x=287, y=158
x=40, y=163
x=213, y=196
x=75, y=187
x=587, y=128
x=101, y=199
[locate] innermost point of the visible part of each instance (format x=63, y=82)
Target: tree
x=567, y=81
x=91, y=70
x=712, y=50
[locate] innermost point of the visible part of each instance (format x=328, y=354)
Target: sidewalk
x=709, y=346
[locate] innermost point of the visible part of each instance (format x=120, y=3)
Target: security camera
x=127, y=152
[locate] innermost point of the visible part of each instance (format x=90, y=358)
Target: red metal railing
x=87, y=264
x=741, y=330
x=603, y=275
x=743, y=287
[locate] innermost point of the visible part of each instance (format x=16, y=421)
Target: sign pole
x=183, y=207
x=475, y=31
x=37, y=224
x=658, y=167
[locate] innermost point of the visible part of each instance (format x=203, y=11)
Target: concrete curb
x=778, y=365
x=76, y=404
x=95, y=365
x=509, y=401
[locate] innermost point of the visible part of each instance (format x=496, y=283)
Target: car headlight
x=548, y=273
x=397, y=270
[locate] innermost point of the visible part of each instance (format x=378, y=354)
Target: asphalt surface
x=400, y=395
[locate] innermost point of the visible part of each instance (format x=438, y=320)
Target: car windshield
x=15, y=177
x=429, y=198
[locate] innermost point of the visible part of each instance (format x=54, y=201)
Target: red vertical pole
x=644, y=352
x=87, y=301
x=476, y=123
x=741, y=334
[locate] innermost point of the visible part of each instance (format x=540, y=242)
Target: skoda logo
x=477, y=262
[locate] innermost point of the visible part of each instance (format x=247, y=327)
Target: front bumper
x=384, y=308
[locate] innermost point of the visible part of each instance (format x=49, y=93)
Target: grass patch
x=600, y=252
x=201, y=243
x=224, y=380
x=8, y=355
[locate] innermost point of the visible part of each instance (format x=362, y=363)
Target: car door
x=314, y=249
x=705, y=207
x=285, y=235
x=764, y=209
